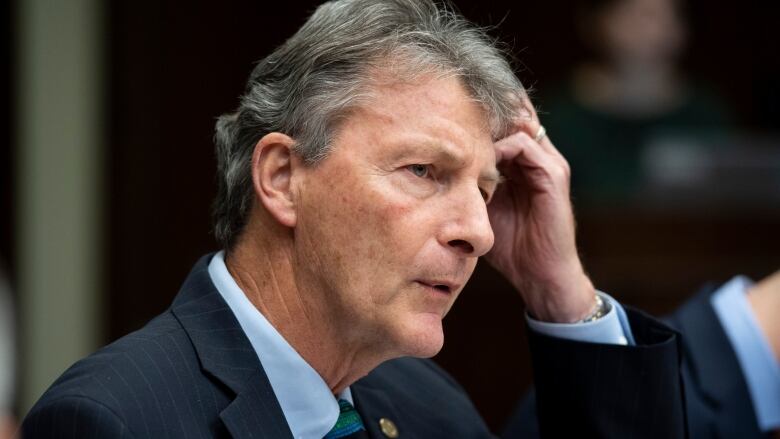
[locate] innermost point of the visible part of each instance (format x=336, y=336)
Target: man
x=358, y=185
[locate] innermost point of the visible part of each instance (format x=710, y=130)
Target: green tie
x=349, y=421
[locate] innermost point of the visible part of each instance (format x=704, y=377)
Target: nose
x=467, y=230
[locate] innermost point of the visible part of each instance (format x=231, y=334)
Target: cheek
x=368, y=225
x=361, y=224
x=353, y=223
x=374, y=231
x=380, y=225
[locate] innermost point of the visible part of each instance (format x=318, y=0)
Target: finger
x=532, y=128
x=528, y=121
x=521, y=150
x=548, y=146
x=507, y=148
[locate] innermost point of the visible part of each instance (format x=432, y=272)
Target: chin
x=424, y=338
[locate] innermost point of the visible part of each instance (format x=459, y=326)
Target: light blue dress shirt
x=308, y=404
x=754, y=353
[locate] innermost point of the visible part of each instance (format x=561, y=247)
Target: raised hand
x=534, y=227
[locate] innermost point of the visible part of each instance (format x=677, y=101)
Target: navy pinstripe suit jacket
x=192, y=373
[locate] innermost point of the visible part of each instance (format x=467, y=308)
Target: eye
x=419, y=170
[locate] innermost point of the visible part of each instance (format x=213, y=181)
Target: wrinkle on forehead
x=395, y=76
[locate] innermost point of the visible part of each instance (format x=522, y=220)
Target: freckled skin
x=368, y=228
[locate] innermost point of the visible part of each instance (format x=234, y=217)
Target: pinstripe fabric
x=192, y=373
x=717, y=401
x=606, y=390
x=189, y=373
x=637, y=397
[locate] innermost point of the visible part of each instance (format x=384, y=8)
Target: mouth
x=442, y=287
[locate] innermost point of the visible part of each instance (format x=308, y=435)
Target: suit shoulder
x=74, y=417
x=153, y=343
x=150, y=373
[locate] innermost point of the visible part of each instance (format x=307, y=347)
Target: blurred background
x=666, y=109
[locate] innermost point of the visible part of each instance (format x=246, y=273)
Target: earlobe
x=272, y=167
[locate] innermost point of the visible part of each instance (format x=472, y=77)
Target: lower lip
x=434, y=290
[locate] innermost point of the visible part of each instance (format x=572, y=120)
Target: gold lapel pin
x=388, y=428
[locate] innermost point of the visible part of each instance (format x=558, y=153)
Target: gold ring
x=540, y=134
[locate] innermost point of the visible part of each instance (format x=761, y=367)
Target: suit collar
x=226, y=354
x=305, y=398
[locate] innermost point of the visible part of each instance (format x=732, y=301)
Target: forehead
x=428, y=114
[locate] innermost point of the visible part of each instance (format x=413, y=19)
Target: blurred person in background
x=628, y=95
x=731, y=369
x=7, y=360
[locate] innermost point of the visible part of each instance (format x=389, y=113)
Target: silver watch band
x=600, y=309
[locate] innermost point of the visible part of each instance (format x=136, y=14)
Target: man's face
x=391, y=224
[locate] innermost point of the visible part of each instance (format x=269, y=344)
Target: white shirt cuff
x=612, y=328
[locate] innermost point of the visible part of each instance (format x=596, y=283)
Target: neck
x=265, y=270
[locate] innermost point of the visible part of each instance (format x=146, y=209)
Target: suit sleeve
x=73, y=417
x=601, y=390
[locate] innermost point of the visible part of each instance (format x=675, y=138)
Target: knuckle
x=559, y=172
x=566, y=169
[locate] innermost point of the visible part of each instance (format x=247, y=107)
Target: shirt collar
x=306, y=400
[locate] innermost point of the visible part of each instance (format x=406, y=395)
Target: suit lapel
x=226, y=354
x=374, y=404
x=255, y=413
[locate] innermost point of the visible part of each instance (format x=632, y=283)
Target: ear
x=272, y=167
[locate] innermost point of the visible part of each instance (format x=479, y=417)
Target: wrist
x=568, y=301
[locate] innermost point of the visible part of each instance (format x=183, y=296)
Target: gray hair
x=312, y=81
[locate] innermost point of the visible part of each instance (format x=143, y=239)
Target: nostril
x=462, y=245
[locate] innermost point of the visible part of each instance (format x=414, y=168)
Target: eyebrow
x=446, y=153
